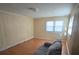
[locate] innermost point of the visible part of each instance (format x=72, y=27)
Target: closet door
x=2, y=32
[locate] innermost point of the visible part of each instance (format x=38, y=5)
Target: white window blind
x=54, y=26
x=49, y=26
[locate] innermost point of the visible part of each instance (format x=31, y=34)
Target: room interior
x=25, y=27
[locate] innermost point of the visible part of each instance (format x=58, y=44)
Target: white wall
x=14, y=29
x=40, y=28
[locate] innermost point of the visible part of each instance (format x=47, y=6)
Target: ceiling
x=37, y=10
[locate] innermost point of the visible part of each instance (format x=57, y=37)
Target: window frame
x=55, y=26
x=51, y=26
x=59, y=26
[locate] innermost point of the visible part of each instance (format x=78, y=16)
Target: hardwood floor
x=64, y=48
x=25, y=48
x=29, y=47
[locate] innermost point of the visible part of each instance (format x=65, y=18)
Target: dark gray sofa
x=50, y=49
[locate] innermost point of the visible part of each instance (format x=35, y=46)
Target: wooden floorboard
x=25, y=48
x=29, y=47
x=64, y=48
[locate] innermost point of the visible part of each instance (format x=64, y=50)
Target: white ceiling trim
x=12, y=13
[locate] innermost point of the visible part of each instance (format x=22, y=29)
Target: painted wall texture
x=40, y=28
x=14, y=29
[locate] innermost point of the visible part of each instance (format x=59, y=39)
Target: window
x=49, y=26
x=70, y=25
x=54, y=26
x=58, y=26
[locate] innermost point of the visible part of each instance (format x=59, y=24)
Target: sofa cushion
x=47, y=44
x=42, y=50
x=55, y=48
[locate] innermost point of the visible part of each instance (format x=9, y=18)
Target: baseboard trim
x=2, y=49
x=41, y=38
